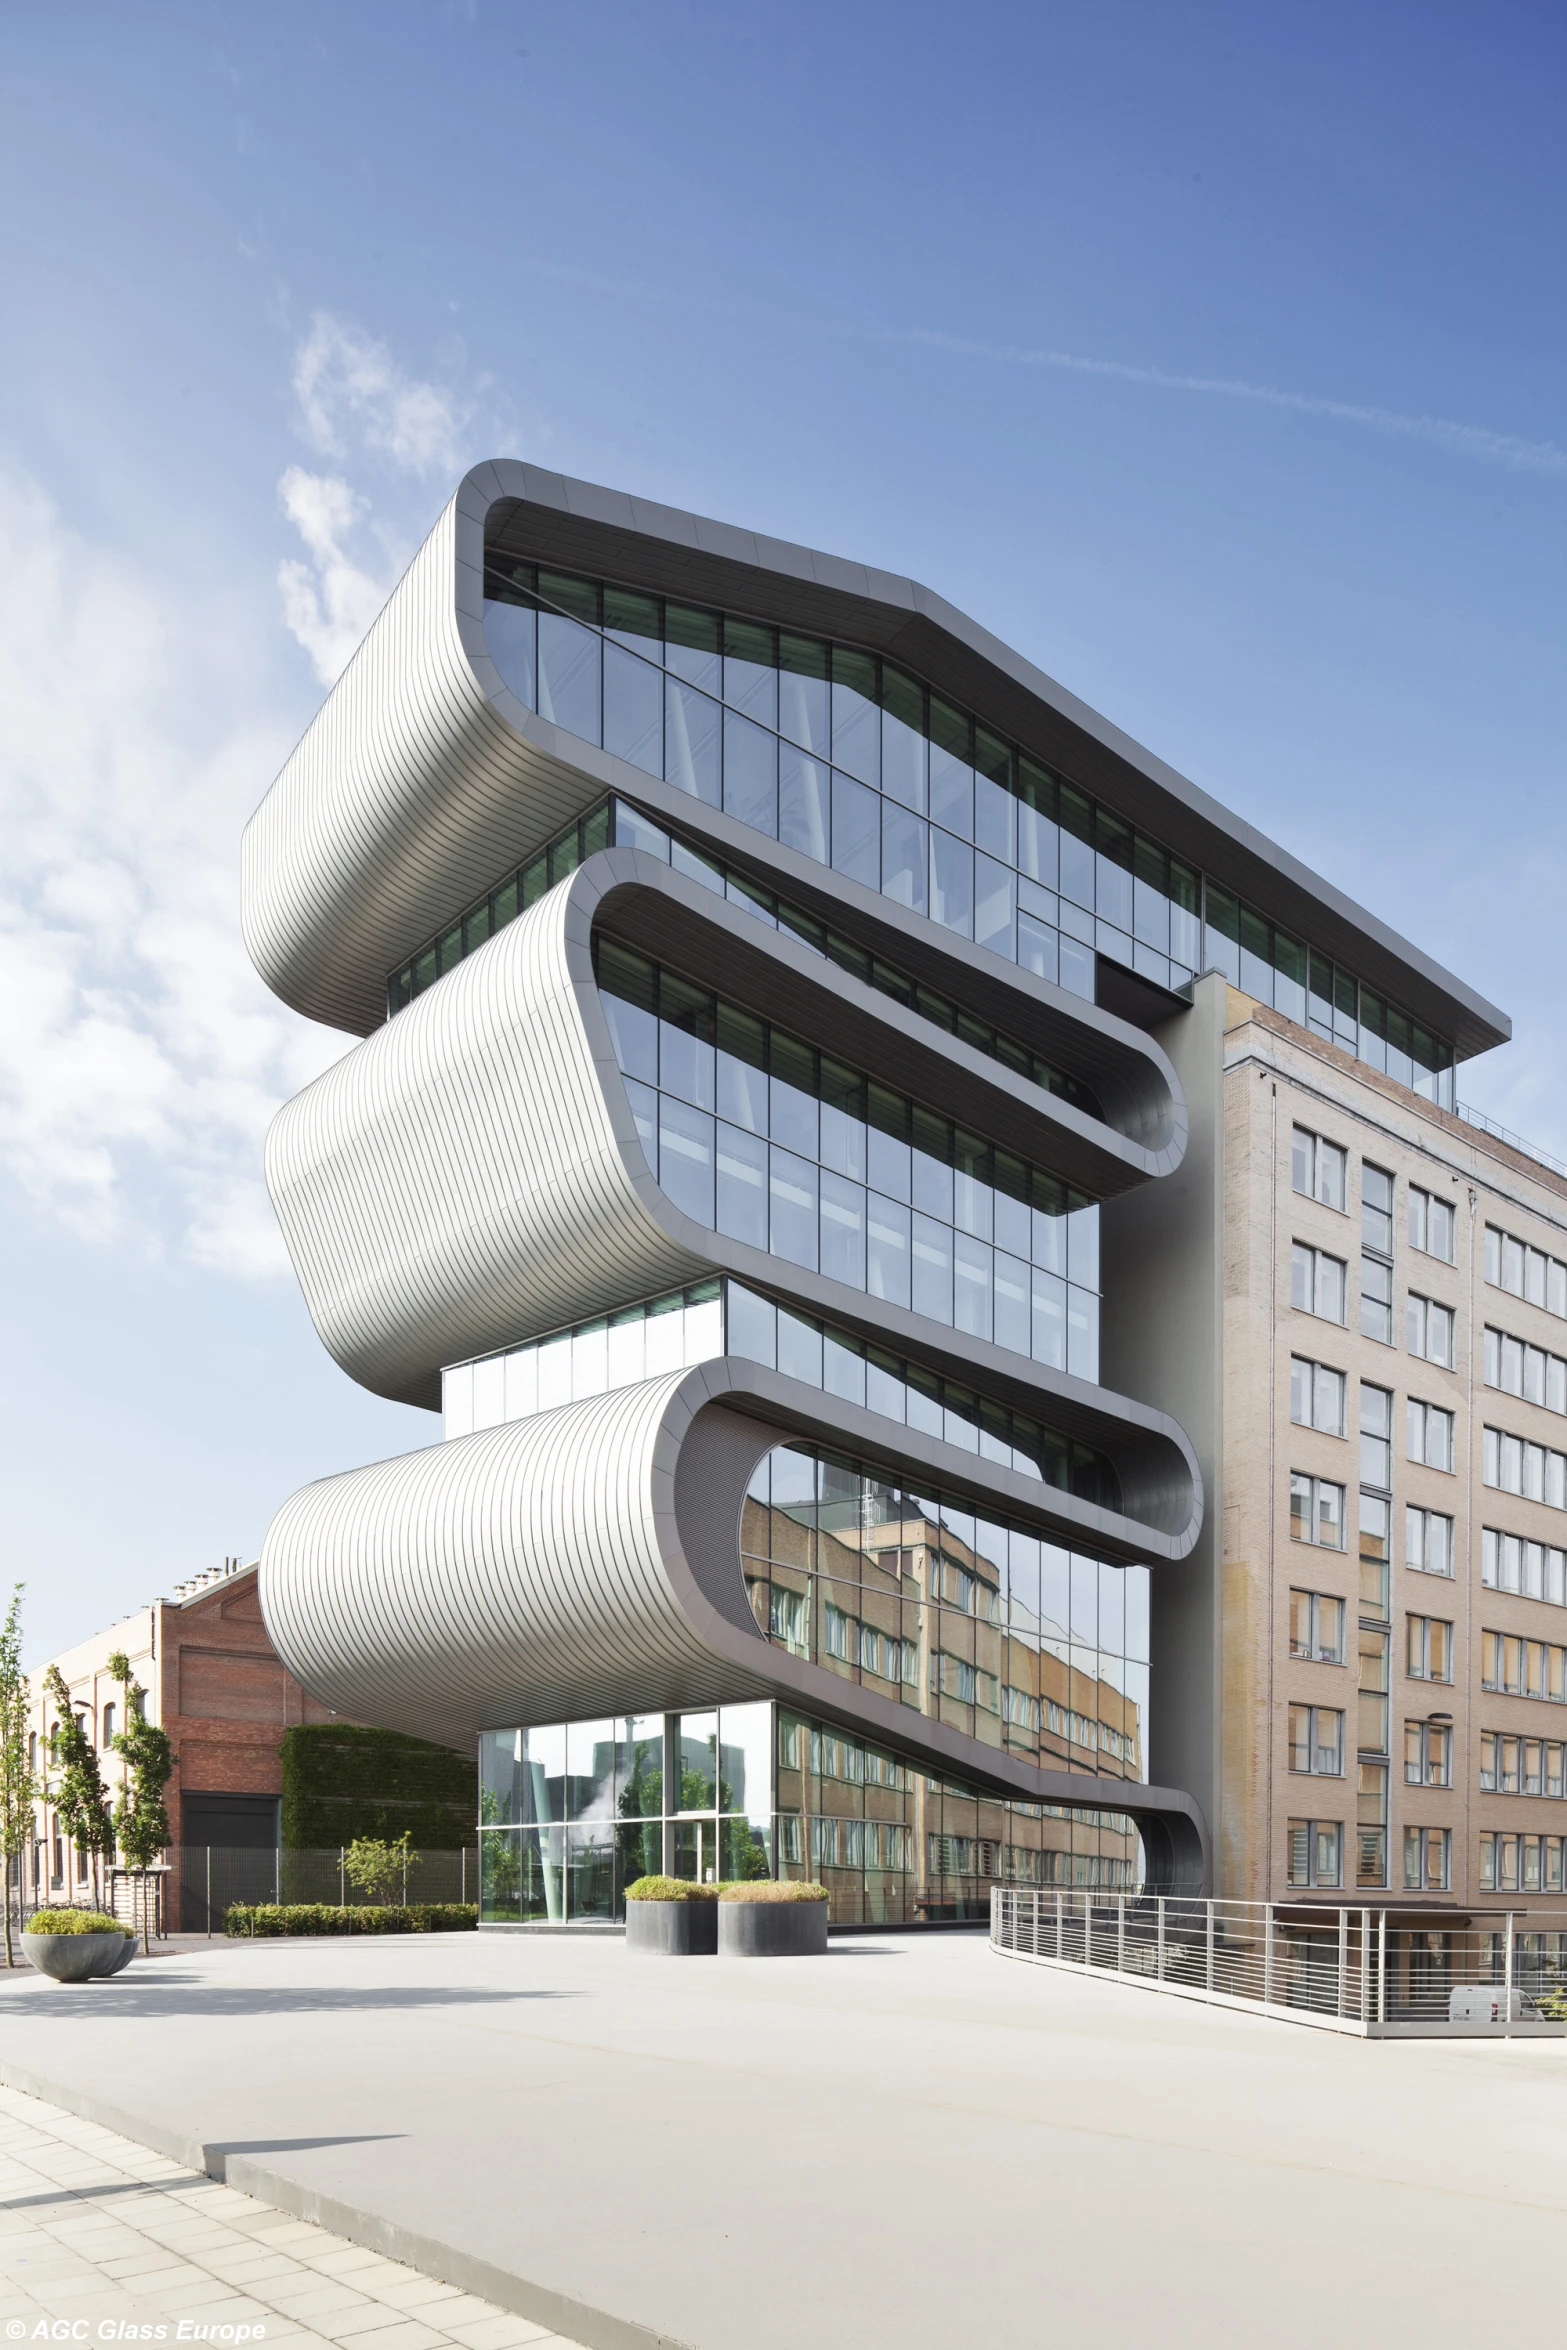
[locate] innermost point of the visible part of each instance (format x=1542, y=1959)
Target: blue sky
x=1213, y=357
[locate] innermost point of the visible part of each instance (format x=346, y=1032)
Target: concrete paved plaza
x=909, y=2142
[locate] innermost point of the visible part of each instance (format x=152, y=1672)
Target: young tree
x=19, y=1788
x=140, y=1821
x=80, y=1799
x=373, y=1864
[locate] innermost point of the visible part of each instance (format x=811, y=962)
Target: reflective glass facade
x=712, y=1318
x=852, y=761
x=759, y=1136
x=1010, y=1639
x=573, y=1812
x=615, y=823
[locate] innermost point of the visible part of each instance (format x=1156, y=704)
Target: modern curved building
x=782, y=1144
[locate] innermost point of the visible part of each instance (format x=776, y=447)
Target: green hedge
x=341, y=1782
x=267, y=1919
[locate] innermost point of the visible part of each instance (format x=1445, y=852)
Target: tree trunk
x=9, y=1957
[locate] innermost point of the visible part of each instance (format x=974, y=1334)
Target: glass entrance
x=696, y=1852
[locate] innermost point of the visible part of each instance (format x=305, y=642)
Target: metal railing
x=1531, y=1150
x=1375, y=1973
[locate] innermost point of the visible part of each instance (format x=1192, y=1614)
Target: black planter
x=772, y=1929
x=672, y=1929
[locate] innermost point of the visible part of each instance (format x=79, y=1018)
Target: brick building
x=215, y=1683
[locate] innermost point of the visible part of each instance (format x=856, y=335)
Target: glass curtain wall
x=980, y=1625
x=573, y=1812
x=712, y=1318
x=759, y=1136
x=858, y=764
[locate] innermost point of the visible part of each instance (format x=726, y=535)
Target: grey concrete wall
x=1163, y=1343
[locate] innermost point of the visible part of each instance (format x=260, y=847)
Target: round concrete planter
x=672, y=1929
x=71, y=1958
x=122, y=1957
x=772, y=1929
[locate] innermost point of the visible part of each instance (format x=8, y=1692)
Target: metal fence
x=192, y=1889
x=1378, y=1973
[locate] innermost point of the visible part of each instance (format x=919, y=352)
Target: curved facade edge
x=422, y=778
x=471, y=1176
x=587, y=1562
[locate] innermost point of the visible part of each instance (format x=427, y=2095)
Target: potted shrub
x=68, y=1945
x=775, y=1919
x=669, y=1917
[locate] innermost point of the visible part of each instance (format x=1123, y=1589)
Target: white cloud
x=140, y=1056
x=354, y=401
x=329, y=608
x=351, y=391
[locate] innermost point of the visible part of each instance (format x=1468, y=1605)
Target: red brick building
x=214, y=1682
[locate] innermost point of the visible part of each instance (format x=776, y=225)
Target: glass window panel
x=932, y=1254
x=904, y=857
x=794, y=1210
x=995, y=818
x=746, y=1751
x=799, y=1353
x=1048, y=1318
x=856, y=720
x=995, y=913
x=685, y=1157
x=972, y=1285
x=951, y=882
x=750, y=773
x=742, y=1186
x=569, y=681
x=1038, y=948
x=842, y=1230
x=856, y=831
x=692, y=646
x=509, y=632
x=633, y=710
x=751, y=670
x=691, y=743
x=804, y=705
x=888, y=1249
x=696, y=1738
x=951, y=769
x=804, y=790
x=903, y=745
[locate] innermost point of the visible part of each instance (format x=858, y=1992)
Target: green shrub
x=671, y=1889
x=774, y=1889
x=265, y=1920
x=76, y=1921
x=341, y=1782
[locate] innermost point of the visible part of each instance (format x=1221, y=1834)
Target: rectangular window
x=1427, y=1860
x=1316, y=1735
x=1428, y=1541
x=1428, y=1754
x=1376, y=1262
x=1376, y=1209
x=1316, y=1511
x=1317, y=1168
x=1316, y=1852
x=1430, y=1434
x=1523, y=1370
x=1375, y=1562
x=1371, y=1825
x=1316, y=1396
x=1429, y=1649
x=1318, y=1282
x=1317, y=1627
x=1371, y=1730
x=1428, y=1330
x=1511, y=1264
x=1376, y=1437
x=1431, y=1224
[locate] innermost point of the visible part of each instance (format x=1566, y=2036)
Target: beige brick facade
x=1278, y=1077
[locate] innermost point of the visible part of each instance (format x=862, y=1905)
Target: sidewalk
x=95, y=2229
